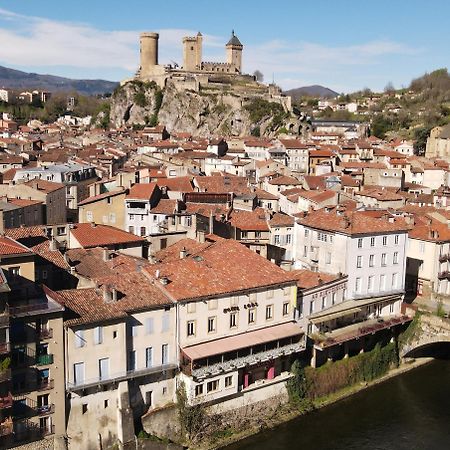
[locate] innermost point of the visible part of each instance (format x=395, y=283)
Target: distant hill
x=311, y=91
x=16, y=79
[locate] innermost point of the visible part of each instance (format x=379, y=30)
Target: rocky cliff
x=210, y=111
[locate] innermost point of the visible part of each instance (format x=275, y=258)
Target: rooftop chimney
x=53, y=245
x=105, y=254
x=107, y=296
x=183, y=253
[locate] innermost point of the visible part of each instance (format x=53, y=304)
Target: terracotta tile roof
x=11, y=247
x=44, y=185
x=165, y=206
x=362, y=165
x=321, y=153
x=142, y=191
x=306, y=279
x=281, y=220
x=380, y=194
x=222, y=184
x=23, y=202
x=264, y=195
x=26, y=232
x=206, y=209
x=178, y=184
x=8, y=175
x=218, y=268
x=101, y=235
x=255, y=220
x=285, y=180
x=350, y=223
x=96, y=198
x=293, y=144
x=315, y=182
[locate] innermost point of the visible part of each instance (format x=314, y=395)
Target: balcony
x=34, y=308
x=44, y=360
x=43, y=385
x=6, y=401
x=31, y=432
x=118, y=377
x=26, y=407
x=443, y=275
x=444, y=257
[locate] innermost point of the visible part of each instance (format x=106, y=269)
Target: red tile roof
x=10, y=247
x=89, y=235
x=142, y=191
x=96, y=198
x=306, y=279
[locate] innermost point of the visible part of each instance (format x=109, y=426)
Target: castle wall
x=149, y=52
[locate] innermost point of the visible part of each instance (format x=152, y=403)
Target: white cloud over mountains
x=29, y=41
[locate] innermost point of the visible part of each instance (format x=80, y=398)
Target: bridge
x=429, y=330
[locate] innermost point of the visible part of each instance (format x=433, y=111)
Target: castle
x=151, y=70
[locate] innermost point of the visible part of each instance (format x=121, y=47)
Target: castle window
x=192, y=48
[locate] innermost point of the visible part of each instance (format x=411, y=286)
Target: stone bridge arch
x=430, y=330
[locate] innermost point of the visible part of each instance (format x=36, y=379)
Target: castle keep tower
x=234, y=52
x=192, y=52
x=149, y=53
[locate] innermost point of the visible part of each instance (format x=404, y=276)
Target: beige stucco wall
x=112, y=213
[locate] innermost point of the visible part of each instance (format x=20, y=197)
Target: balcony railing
x=44, y=360
x=121, y=376
x=249, y=360
x=24, y=407
x=444, y=274
x=444, y=257
x=43, y=385
x=31, y=433
x=6, y=402
x=33, y=308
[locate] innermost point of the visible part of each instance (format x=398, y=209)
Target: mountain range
x=311, y=91
x=16, y=79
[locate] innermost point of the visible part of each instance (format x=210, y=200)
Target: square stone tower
x=234, y=53
x=192, y=52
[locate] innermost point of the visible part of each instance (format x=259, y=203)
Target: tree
x=258, y=75
x=389, y=88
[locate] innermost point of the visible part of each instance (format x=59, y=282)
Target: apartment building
x=235, y=325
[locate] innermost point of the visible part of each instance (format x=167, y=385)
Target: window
x=422, y=247
x=14, y=272
x=244, y=234
x=359, y=262
x=382, y=282
x=383, y=259
x=333, y=298
x=148, y=357
x=143, y=231
x=257, y=234
x=324, y=302
x=132, y=360
x=198, y=390
x=165, y=354
x=211, y=324
x=370, y=283
x=191, y=328
x=288, y=238
x=358, y=285
x=229, y=381
x=78, y=373
x=395, y=259
x=305, y=251
x=233, y=320
x=372, y=242
x=134, y=330
x=89, y=216
x=212, y=386
x=149, y=325
x=103, y=368
x=396, y=237
x=165, y=323
x=311, y=307
x=384, y=241
x=98, y=335
x=360, y=243
x=306, y=232
x=252, y=315
x=285, y=308
x=328, y=258
x=277, y=239
x=149, y=398
x=114, y=334
x=131, y=229
x=84, y=408
x=391, y=308
x=371, y=260
x=79, y=339
x=300, y=308
x=394, y=280
x=269, y=312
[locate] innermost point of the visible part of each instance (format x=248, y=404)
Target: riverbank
x=287, y=413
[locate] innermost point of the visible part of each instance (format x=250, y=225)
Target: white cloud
x=40, y=42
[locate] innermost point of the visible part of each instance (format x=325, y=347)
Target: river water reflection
x=411, y=411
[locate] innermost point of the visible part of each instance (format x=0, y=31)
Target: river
x=410, y=412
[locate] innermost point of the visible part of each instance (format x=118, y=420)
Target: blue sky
x=345, y=45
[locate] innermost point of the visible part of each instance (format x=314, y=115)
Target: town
x=142, y=266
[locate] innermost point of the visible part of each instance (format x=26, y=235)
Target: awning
x=336, y=315
x=242, y=340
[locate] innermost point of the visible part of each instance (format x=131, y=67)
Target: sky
x=345, y=45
